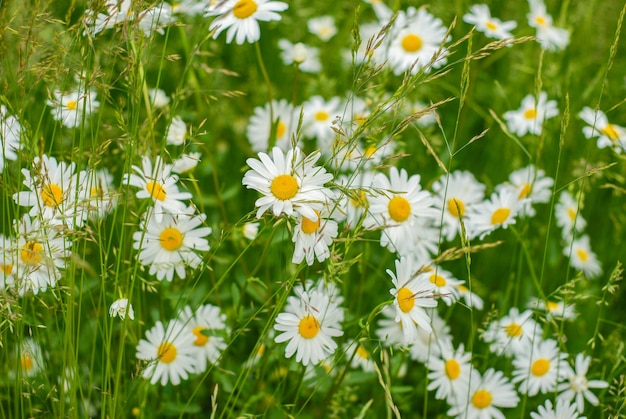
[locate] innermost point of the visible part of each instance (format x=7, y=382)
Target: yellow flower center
x=530, y=113
x=369, y=151
x=310, y=227
x=525, y=191
x=52, y=195
x=71, y=105
x=453, y=369
x=360, y=200
x=156, y=190
x=321, y=116
x=411, y=43
x=406, y=299
x=572, y=213
x=463, y=289
x=399, y=209
x=31, y=253
x=491, y=26
x=171, y=239
x=514, y=330
x=244, y=9
x=552, y=306
x=500, y=215
x=610, y=132
x=7, y=269
x=281, y=128
x=362, y=353
x=308, y=327
x=166, y=352
x=456, y=207
x=201, y=338
x=438, y=280
x=26, y=362
x=540, y=367
x=540, y=20
x=582, y=255
x=482, y=399
x=284, y=187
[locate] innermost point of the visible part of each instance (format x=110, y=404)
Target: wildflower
x=412, y=294
x=170, y=244
x=158, y=98
x=471, y=299
x=313, y=238
x=318, y=116
x=416, y=42
x=550, y=37
x=170, y=352
x=323, y=27
x=539, y=367
x=568, y=217
x=99, y=197
x=582, y=257
x=445, y=285
x=390, y=331
x=529, y=118
x=290, y=183
x=308, y=324
x=359, y=356
x=250, y=230
x=554, y=309
x=484, y=395
x=176, y=132
x=118, y=12
x=430, y=343
x=306, y=57
x=531, y=185
x=241, y=18
x=449, y=372
x=10, y=137
x=382, y=11
x=499, y=211
x=455, y=194
x=562, y=410
x=158, y=183
x=186, y=162
x=30, y=358
x=609, y=135
x=261, y=127
x=208, y=326
x=73, y=108
x=512, y=333
x=354, y=202
x=398, y=204
x=480, y=16
x=7, y=261
x=193, y=8
x=576, y=386
x=120, y=308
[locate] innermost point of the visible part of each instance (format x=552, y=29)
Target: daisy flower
x=318, y=117
x=120, y=308
x=10, y=134
x=430, y=343
x=550, y=37
x=531, y=185
x=100, y=198
x=445, y=285
x=382, y=11
x=416, y=42
x=193, y=7
x=118, y=12
x=390, y=331
x=582, y=257
x=512, y=333
x=71, y=109
x=449, y=372
x=308, y=324
x=250, y=230
x=260, y=125
x=471, y=299
x=313, y=238
x=576, y=386
x=206, y=325
x=568, y=216
x=176, y=132
x=359, y=356
x=529, y=118
x=241, y=18
x=306, y=57
x=7, y=261
x=483, y=396
x=480, y=16
x=158, y=98
x=397, y=205
x=158, y=183
x=454, y=195
x=562, y=410
x=30, y=358
x=412, y=294
x=609, y=135
x=554, y=309
x=498, y=212
x=323, y=27
x=423, y=242
x=539, y=367
x=186, y=162
x=171, y=244
x=353, y=201
x=170, y=353
x=290, y=183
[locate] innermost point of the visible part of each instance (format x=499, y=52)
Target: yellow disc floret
x=156, y=190
x=406, y=299
x=412, y=43
x=284, y=187
x=171, y=239
x=244, y=9
x=308, y=327
x=167, y=352
x=399, y=209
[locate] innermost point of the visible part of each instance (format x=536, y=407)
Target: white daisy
x=471, y=299
x=445, y=284
x=557, y=310
x=118, y=12
x=498, y=212
x=416, y=41
x=568, y=216
x=562, y=410
x=359, y=356
x=158, y=98
x=390, y=331
x=72, y=109
x=308, y=324
x=549, y=36
x=260, y=126
x=382, y=11
x=120, y=308
x=290, y=183
x=576, y=386
x=30, y=358
x=176, y=132
x=192, y=7
x=100, y=198
x=529, y=118
x=353, y=200
x=241, y=18
x=539, y=367
x=170, y=353
x=430, y=343
x=324, y=287
x=323, y=27
x=396, y=206
x=250, y=230
x=170, y=244
x=305, y=56
x=412, y=294
x=531, y=185
x=582, y=257
x=208, y=326
x=449, y=372
x=318, y=117
x=313, y=238
x=10, y=137
x=455, y=194
x=186, y=162
x=480, y=16
x=609, y=135
x=484, y=395
x=7, y=261
x=158, y=183
x=512, y=333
